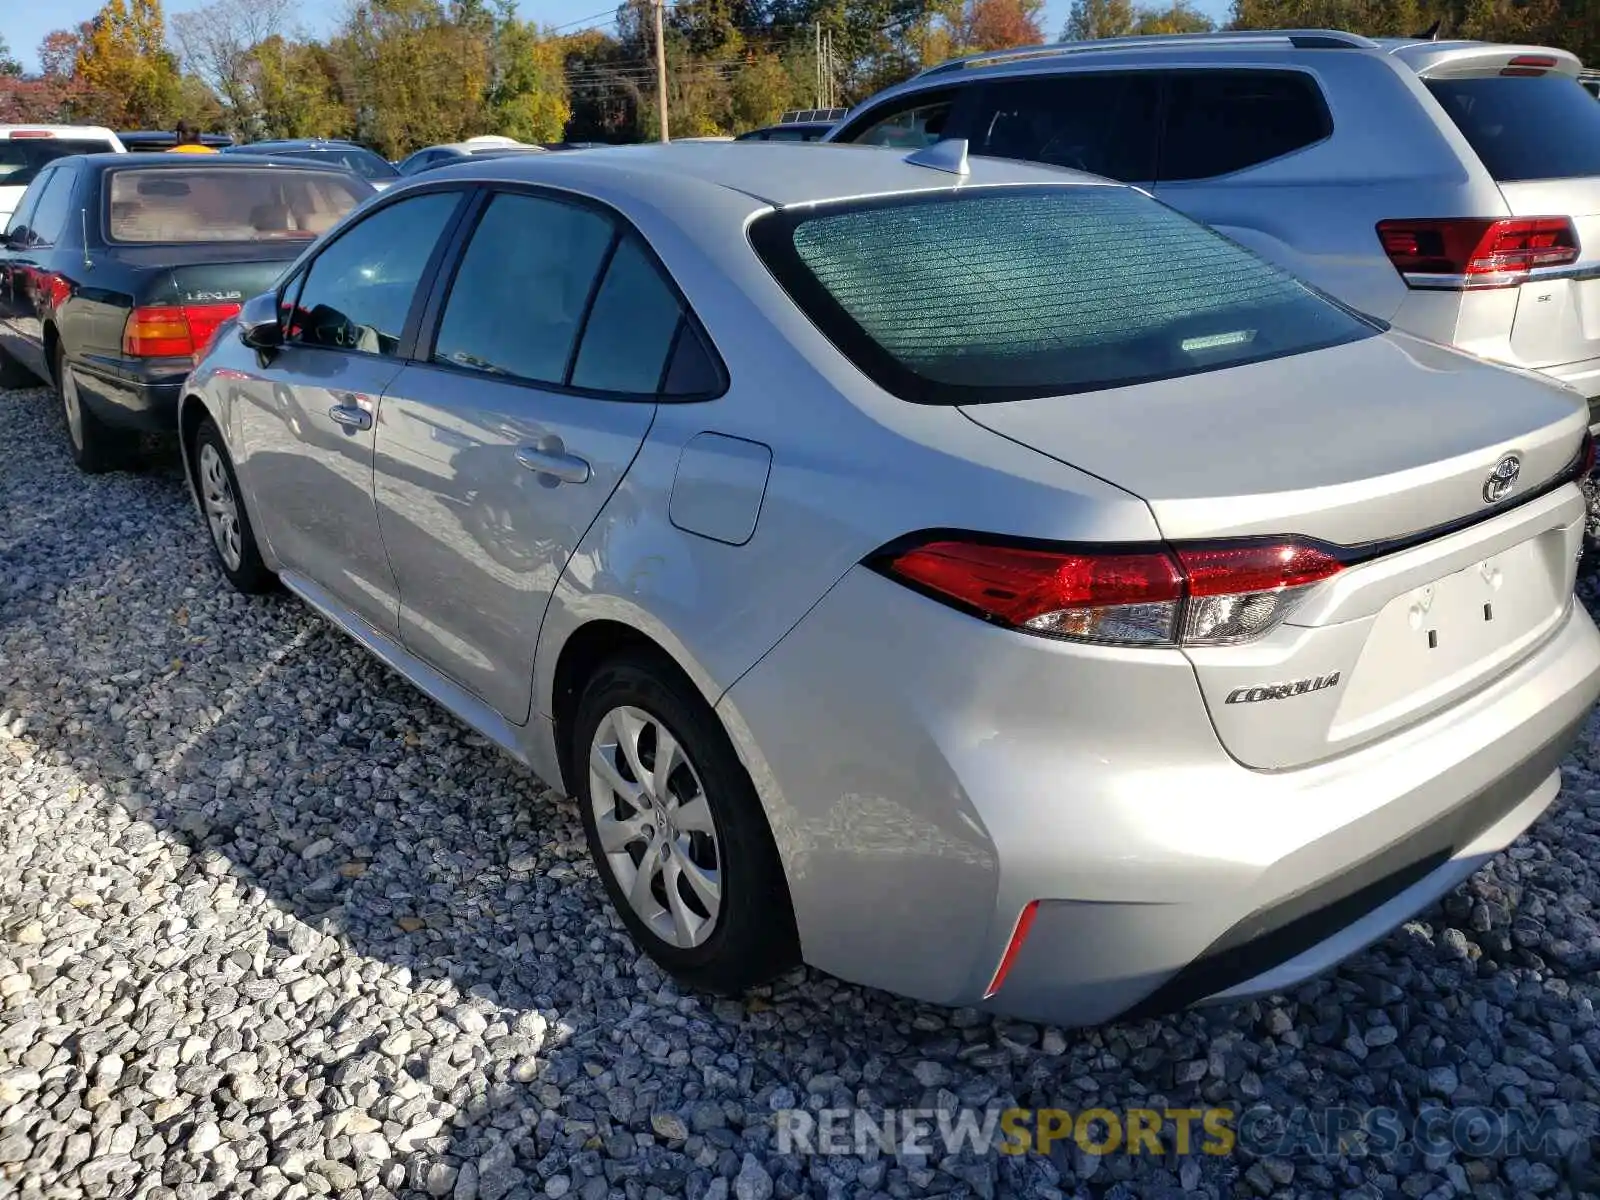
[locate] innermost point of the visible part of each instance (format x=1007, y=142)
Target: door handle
x=566, y=468
x=350, y=416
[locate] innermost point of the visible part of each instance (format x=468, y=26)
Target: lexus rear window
x=1540, y=127
x=996, y=294
x=21, y=159
x=225, y=204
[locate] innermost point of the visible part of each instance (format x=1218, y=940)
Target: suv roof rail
x=1301, y=39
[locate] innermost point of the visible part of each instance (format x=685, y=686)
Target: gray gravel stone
x=273, y=926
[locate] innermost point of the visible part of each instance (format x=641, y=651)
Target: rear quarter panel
x=852, y=468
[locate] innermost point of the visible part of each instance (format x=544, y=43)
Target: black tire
x=249, y=574
x=754, y=935
x=95, y=446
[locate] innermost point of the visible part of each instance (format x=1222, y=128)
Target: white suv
x=24, y=149
x=1451, y=188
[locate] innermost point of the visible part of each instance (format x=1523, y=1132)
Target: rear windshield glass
x=219, y=204
x=22, y=158
x=1005, y=293
x=1540, y=127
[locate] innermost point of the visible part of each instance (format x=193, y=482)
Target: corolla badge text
x=1282, y=691
x=1502, y=479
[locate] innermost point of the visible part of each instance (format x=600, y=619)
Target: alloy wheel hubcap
x=74, y=409
x=222, y=510
x=655, y=828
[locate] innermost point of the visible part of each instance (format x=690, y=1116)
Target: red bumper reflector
x=1013, y=947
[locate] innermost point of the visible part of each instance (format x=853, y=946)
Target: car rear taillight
x=173, y=330
x=31, y=134
x=1475, y=252
x=1188, y=595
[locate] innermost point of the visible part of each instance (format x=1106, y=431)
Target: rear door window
x=1219, y=122
x=992, y=294
x=517, y=303
x=1540, y=127
x=1103, y=124
x=55, y=207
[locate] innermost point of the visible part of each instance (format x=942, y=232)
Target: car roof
x=776, y=173
x=62, y=131
x=1419, y=53
x=165, y=159
x=301, y=143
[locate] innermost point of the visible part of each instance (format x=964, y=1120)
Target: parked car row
x=974, y=577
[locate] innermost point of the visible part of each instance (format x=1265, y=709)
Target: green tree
x=293, y=89
x=1374, y=18
x=124, y=60
x=8, y=62
x=419, y=70
x=528, y=99
x=1090, y=19
x=1181, y=17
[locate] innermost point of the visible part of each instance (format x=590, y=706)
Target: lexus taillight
x=1188, y=595
x=173, y=330
x=1473, y=252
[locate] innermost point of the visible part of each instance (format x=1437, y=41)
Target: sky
x=25, y=22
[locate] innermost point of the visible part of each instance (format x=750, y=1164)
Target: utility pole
x=661, y=69
x=817, y=91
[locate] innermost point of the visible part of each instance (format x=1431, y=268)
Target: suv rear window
x=1540, y=127
x=21, y=159
x=995, y=294
x=221, y=204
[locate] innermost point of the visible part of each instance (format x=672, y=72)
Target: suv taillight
x=1185, y=595
x=173, y=330
x=1476, y=252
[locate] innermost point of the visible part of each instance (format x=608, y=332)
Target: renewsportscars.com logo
x=1322, y=1134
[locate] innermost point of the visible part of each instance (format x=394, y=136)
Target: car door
x=36, y=287
x=304, y=424
x=499, y=446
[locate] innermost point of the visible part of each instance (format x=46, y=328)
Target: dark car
x=797, y=125
x=800, y=131
x=475, y=156
x=117, y=269
x=155, y=139
x=455, y=152
x=358, y=160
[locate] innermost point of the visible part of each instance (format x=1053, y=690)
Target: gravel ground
x=273, y=925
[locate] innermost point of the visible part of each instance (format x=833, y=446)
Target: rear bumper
x=928, y=776
x=132, y=394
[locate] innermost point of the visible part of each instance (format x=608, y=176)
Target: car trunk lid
x=1387, y=449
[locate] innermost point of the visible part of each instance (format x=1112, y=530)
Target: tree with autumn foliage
x=124, y=61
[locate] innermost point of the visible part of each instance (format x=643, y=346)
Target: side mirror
x=259, y=327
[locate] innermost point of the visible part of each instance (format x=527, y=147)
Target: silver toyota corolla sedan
x=973, y=579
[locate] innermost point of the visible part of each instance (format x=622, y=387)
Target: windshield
x=997, y=293
x=221, y=204
x=1539, y=127
x=21, y=159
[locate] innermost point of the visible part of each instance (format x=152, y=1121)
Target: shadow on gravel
x=436, y=950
